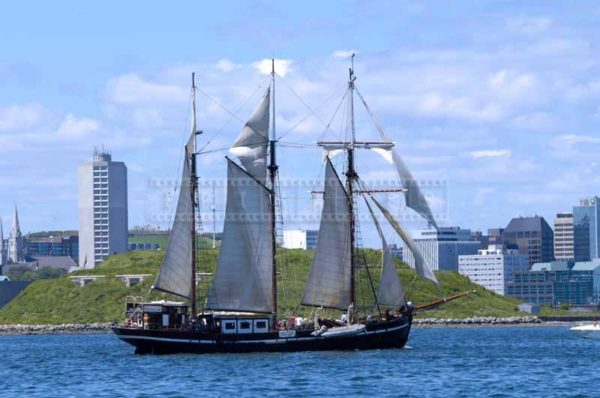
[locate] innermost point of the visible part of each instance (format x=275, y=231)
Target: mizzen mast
x=350, y=176
x=272, y=177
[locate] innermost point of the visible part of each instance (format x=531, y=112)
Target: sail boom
x=327, y=307
x=250, y=175
x=333, y=145
x=170, y=292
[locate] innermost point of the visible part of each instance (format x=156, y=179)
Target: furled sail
x=421, y=266
x=329, y=282
x=175, y=274
x=243, y=279
x=390, y=290
x=251, y=145
x=413, y=196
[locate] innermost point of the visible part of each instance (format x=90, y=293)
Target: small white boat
x=588, y=331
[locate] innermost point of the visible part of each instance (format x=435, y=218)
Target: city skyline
x=490, y=115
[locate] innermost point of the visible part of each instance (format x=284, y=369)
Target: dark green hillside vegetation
x=60, y=301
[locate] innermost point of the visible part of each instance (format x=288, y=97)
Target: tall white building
x=564, y=245
x=493, y=268
x=300, y=239
x=441, y=247
x=15, y=252
x=102, y=209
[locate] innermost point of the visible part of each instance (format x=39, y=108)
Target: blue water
x=499, y=362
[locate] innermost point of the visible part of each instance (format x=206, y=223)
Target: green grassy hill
x=61, y=301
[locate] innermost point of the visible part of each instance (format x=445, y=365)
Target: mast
x=194, y=187
x=272, y=176
x=351, y=175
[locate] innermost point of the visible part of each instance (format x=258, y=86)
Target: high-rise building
x=441, y=247
x=493, y=267
x=102, y=209
x=532, y=236
x=586, y=229
x=300, y=239
x=563, y=237
x=15, y=241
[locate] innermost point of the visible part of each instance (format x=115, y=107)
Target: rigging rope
x=312, y=112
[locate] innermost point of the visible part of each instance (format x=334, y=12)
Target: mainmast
x=272, y=176
x=350, y=176
x=193, y=190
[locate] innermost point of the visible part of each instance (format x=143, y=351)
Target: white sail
x=390, y=291
x=243, y=278
x=251, y=145
x=175, y=274
x=413, y=196
x=329, y=281
x=423, y=270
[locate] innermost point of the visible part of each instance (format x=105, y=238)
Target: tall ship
x=239, y=312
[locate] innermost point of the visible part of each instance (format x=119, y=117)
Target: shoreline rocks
x=479, y=320
x=6, y=330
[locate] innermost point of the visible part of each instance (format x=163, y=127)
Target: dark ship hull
x=385, y=334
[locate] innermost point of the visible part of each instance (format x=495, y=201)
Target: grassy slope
x=61, y=301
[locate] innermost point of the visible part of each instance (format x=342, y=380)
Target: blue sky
x=497, y=100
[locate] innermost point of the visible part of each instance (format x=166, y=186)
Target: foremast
x=193, y=191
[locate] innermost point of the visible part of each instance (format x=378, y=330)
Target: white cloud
x=132, y=89
x=282, y=66
x=343, y=53
x=74, y=127
x=226, y=65
x=490, y=153
x=21, y=117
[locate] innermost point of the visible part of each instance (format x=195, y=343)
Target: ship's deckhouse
x=244, y=325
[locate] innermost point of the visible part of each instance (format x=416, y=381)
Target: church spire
x=15, y=241
x=16, y=230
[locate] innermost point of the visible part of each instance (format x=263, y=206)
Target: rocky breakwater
x=55, y=329
x=478, y=320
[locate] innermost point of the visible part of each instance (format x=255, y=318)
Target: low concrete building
x=300, y=239
x=82, y=280
x=492, y=268
x=133, y=279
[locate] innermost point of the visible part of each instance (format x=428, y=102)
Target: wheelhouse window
x=244, y=325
